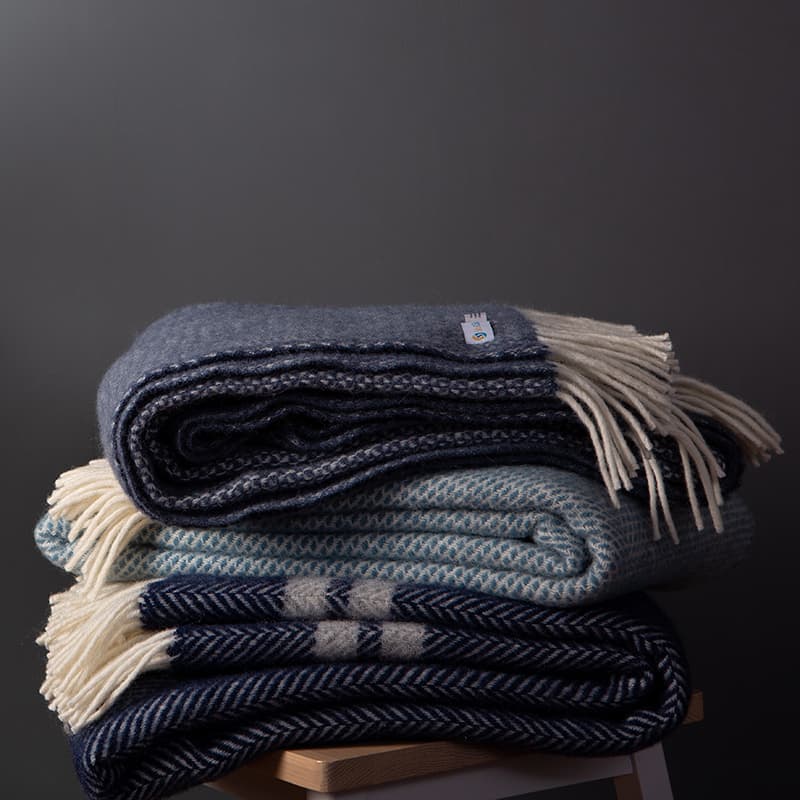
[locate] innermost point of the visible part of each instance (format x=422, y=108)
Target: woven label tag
x=477, y=329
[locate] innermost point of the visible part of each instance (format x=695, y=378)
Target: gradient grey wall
x=630, y=161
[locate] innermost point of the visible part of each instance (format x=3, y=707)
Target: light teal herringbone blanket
x=529, y=532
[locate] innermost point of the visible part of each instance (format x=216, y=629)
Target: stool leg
x=649, y=779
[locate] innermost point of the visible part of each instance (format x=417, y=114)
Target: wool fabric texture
x=256, y=665
x=223, y=411
x=528, y=532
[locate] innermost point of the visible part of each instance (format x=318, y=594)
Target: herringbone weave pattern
x=265, y=664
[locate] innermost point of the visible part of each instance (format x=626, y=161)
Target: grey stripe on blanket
x=223, y=411
x=534, y=533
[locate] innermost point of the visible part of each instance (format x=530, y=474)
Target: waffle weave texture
x=527, y=532
x=223, y=411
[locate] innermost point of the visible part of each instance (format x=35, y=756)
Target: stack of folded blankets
x=324, y=526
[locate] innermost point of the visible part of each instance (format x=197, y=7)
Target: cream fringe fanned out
x=96, y=647
x=103, y=519
x=619, y=383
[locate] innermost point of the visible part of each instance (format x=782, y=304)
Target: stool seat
x=441, y=769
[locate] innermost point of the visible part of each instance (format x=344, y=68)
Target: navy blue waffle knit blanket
x=222, y=411
x=257, y=665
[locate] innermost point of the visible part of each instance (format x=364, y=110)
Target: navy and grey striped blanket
x=528, y=532
x=222, y=411
x=244, y=666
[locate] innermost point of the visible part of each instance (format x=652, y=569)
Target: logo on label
x=477, y=329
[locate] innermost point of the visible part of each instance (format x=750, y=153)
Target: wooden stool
x=441, y=770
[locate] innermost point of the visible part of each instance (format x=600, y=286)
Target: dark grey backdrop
x=630, y=161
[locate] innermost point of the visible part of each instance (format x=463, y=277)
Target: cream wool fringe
x=619, y=383
x=96, y=648
x=611, y=375
x=103, y=517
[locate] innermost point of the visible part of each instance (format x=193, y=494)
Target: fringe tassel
x=757, y=438
x=96, y=648
x=620, y=384
x=103, y=520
